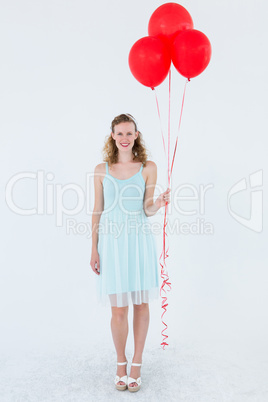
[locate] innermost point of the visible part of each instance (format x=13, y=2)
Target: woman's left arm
x=150, y=207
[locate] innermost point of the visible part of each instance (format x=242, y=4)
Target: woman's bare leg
x=119, y=327
x=141, y=317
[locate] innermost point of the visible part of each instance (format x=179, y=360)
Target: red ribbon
x=164, y=253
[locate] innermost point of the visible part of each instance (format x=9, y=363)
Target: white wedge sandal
x=121, y=387
x=137, y=380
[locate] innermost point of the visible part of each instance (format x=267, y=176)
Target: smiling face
x=124, y=135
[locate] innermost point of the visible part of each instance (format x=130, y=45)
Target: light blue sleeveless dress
x=126, y=244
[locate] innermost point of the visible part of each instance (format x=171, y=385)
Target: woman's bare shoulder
x=150, y=165
x=100, y=171
x=100, y=167
x=150, y=170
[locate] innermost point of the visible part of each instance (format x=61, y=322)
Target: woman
x=124, y=256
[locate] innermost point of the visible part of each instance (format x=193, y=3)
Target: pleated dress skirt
x=126, y=245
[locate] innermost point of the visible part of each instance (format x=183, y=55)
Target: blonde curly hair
x=110, y=150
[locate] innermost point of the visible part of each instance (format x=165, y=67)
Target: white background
x=64, y=77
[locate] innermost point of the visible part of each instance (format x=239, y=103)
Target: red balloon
x=168, y=20
x=191, y=52
x=149, y=61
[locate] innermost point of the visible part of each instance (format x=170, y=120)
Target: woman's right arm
x=97, y=211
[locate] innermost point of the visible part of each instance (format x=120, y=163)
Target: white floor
x=187, y=372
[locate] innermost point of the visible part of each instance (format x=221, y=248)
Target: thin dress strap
x=141, y=167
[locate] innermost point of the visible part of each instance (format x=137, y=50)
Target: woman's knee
x=119, y=313
x=141, y=307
